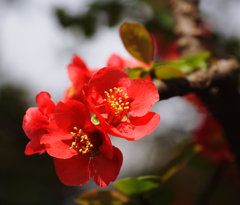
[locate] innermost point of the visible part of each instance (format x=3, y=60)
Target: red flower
x=165, y=49
x=210, y=136
x=36, y=121
x=79, y=74
x=121, y=63
x=122, y=105
x=194, y=99
x=80, y=148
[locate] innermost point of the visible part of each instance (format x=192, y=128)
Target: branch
x=225, y=72
x=217, y=86
x=187, y=26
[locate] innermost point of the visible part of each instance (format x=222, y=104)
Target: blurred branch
x=217, y=86
x=187, y=26
x=224, y=72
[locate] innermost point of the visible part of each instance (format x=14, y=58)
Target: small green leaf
x=144, y=74
x=137, y=72
x=137, y=186
x=186, y=154
x=106, y=197
x=137, y=41
x=167, y=72
x=95, y=120
x=187, y=64
x=161, y=196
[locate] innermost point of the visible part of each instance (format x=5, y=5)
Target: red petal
x=143, y=94
x=78, y=72
x=76, y=60
x=144, y=125
x=74, y=171
x=35, y=126
x=34, y=147
x=106, y=147
x=45, y=104
x=87, y=99
x=105, y=170
x=72, y=94
x=78, y=76
x=115, y=61
x=105, y=79
x=134, y=128
x=58, y=143
x=71, y=114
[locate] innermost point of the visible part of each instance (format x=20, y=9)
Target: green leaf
x=137, y=41
x=106, y=197
x=161, y=196
x=95, y=120
x=167, y=72
x=137, y=72
x=185, y=155
x=187, y=64
x=138, y=186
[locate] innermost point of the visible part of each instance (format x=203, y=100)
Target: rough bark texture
x=187, y=26
x=217, y=86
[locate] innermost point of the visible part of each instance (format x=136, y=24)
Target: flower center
x=116, y=105
x=81, y=141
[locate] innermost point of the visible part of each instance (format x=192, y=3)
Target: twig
x=217, y=86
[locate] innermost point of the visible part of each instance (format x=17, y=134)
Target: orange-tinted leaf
x=137, y=41
x=105, y=197
x=167, y=72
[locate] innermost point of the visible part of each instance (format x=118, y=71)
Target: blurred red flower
x=36, y=121
x=194, y=99
x=122, y=105
x=80, y=148
x=210, y=135
x=117, y=61
x=165, y=49
x=79, y=74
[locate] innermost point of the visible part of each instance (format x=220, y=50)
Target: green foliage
x=138, y=186
x=185, y=65
x=137, y=72
x=167, y=72
x=105, y=197
x=137, y=41
x=115, y=11
x=95, y=120
x=88, y=21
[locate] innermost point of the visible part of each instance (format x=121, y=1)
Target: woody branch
x=217, y=86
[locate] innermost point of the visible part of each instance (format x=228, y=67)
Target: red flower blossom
x=121, y=63
x=210, y=136
x=194, y=99
x=36, y=121
x=79, y=74
x=80, y=148
x=165, y=49
x=122, y=105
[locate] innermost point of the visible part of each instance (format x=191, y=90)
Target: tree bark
x=216, y=86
